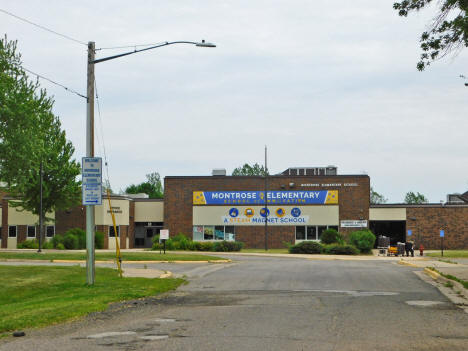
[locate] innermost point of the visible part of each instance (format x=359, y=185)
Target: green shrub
x=206, y=246
x=80, y=235
x=48, y=245
x=306, y=247
x=60, y=246
x=339, y=249
x=227, y=246
x=181, y=242
x=195, y=246
x=362, y=239
x=99, y=240
x=70, y=242
x=57, y=239
x=28, y=244
x=331, y=236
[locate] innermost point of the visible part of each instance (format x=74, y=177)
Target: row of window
x=214, y=232
x=49, y=232
x=31, y=231
x=312, y=232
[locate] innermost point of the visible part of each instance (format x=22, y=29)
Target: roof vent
x=219, y=172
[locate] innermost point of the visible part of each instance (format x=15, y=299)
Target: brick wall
x=430, y=220
x=178, y=197
x=72, y=218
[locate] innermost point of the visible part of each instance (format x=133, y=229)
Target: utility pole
x=266, y=202
x=41, y=224
x=90, y=153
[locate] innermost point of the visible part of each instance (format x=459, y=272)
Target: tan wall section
x=387, y=214
x=11, y=243
x=146, y=211
x=121, y=212
x=16, y=216
x=215, y=215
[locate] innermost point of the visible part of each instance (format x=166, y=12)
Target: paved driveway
x=268, y=303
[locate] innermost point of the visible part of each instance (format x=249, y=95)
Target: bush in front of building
x=182, y=242
x=340, y=249
x=227, y=246
x=362, y=239
x=75, y=239
x=28, y=244
x=48, y=245
x=70, y=241
x=331, y=236
x=306, y=247
x=98, y=240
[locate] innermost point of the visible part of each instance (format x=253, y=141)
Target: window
x=12, y=231
x=111, y=231
x=219, y=232
x=321, y=229
x=210, y=232
x=198, y=233
x=50, y=231
x=311, y=233
x=300, y=233
x=31, y=231
x=229, y=233
x=149, y=232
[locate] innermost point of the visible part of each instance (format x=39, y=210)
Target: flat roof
x=276, y=176
x=400, y=205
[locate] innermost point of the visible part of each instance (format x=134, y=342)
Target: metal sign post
x=442, y=235
x=164, y=235
x=91, y=196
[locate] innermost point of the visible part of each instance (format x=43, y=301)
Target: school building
x=300, y=203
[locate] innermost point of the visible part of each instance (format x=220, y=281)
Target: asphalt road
x=267, y=303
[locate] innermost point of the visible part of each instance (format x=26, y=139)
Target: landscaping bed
x=107, y=256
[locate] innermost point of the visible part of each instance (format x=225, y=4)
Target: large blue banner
x=258, y=197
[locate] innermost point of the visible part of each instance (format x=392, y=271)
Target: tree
x=447, y=33
x=153, y=187
x=247, y=170
x=30, y=134
x=412, y=198
x=376, y=198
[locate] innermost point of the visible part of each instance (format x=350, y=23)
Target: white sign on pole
x=353, y=224
x=91, y=175
x=164, y=234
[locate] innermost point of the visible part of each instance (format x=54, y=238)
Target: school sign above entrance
x=317, y=197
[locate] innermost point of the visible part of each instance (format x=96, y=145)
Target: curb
x=140, y=262
x=166, y=275
x=456, y=285
x=404, y=263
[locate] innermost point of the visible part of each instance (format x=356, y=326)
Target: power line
x=44, y=28
x=106, y=164
x=60, y=85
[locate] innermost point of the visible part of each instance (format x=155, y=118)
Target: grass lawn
x=102, y=256
x=450, y=254
x=275, y=251
x=38, y=296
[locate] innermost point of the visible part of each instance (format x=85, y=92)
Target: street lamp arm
x=200, y=44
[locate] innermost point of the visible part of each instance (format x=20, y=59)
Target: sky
x=319, y=82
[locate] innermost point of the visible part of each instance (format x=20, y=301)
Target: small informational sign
x=410, y=232
x=91, y=177
x=353, y=224
x=442, y=233
x=164, y=234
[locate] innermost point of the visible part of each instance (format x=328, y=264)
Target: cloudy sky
x=320, y=82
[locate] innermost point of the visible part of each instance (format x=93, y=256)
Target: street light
x=90, y=136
